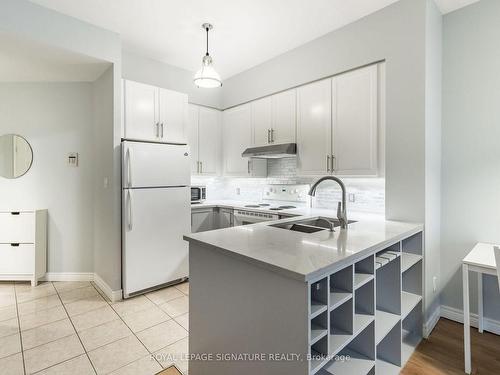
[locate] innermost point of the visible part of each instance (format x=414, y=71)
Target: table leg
x=467, y=354
x=480, y=313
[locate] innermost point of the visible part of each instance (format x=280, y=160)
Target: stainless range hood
x=284, y=150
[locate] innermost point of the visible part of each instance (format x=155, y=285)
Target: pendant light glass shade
x=207, y=77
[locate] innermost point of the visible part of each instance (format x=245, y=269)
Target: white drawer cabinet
x=23, y=245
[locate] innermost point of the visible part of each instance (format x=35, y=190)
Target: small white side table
x=481, y=259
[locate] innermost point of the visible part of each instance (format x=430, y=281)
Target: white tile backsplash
x=369, y=193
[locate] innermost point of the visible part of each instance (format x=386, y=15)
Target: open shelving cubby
x=363, y=271
x=367, y=317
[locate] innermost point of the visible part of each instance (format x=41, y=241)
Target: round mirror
x=16, y=156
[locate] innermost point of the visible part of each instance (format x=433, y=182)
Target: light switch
x=73, y=159
x=352, y=197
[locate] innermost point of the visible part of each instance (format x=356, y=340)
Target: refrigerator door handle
x=129, y=169
x=130, y=222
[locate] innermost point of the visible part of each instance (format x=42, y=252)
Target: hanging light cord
x=207, y=39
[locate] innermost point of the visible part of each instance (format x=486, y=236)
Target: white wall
x=30, y=21
x=107, y=264
x=433, y=79
x=471, y=151
x=156, y=73
x=55, y=118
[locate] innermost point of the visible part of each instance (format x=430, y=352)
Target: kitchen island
x=267, y=300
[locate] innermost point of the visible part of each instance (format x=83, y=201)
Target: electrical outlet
x=352, y=197
x=434, y=284
x=238, y=191
x=73, y=159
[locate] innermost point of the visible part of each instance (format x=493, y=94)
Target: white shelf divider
x=408, y=303
x=357, y=364
x=361, y=279
x=337, y=298
x=408, y=260
x=384, y=322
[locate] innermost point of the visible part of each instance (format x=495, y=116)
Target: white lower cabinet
x=202, y=220
x=23, y=245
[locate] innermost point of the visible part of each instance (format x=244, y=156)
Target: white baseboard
x=113, y=295
x=432, y=321
x=68, y=276
x=457, y=315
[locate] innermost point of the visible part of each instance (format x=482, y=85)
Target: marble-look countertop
x=303, y=256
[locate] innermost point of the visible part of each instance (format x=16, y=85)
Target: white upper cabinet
x=173, y=116
x=237, y=136
x=209, y=141
x=354, y=109
x=274, y=119
x=284, y=116
x=204, y=140
x=141, y=111
x=314, y=128
x=192, y=133
x=261, y=121
x=154, y=114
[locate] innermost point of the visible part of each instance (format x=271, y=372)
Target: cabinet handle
x=14, y=244
x=272, y=135
x=130, y=220
x=334, y=163
x=129, y=169
x=157, y=130
x=328, y=163
x=268, y=135
x=201, y=167
x=197, y=167
x=15, y=213
x=248, y=166
x=162, y=130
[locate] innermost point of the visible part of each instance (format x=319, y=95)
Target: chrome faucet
x=341, y=207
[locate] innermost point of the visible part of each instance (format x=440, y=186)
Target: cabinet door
x=261, y=121
x=209, y=141
x=225, y=218
x=284, y=117
x=237, y=136
x=173, y=116
x=192, y=133
x=314, y=130
x=202, y=220
x=354, y=105
x=141, y=111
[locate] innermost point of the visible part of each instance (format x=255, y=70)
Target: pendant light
x=207, y=77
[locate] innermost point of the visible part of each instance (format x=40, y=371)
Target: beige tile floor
x=70, y=328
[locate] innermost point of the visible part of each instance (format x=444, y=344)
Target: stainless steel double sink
x=309, y=225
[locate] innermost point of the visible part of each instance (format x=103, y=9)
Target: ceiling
x=23, y=60
x=246, y=33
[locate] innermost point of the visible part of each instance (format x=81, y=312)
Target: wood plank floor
x=442, y=353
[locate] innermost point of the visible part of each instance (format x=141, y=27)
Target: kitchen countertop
x=303, y=256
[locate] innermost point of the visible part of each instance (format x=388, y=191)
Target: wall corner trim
x=432, y=321
x=112, y=295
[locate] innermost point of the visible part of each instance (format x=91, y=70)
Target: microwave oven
x=198, y=194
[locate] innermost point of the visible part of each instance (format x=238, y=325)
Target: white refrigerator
x=155, y=214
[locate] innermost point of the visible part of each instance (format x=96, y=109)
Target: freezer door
x=154, y=221
x=155, y=165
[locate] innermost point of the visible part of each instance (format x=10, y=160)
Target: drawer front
x=17, y=228
x=17, y=259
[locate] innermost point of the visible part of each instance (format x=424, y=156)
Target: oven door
x=251, y=217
